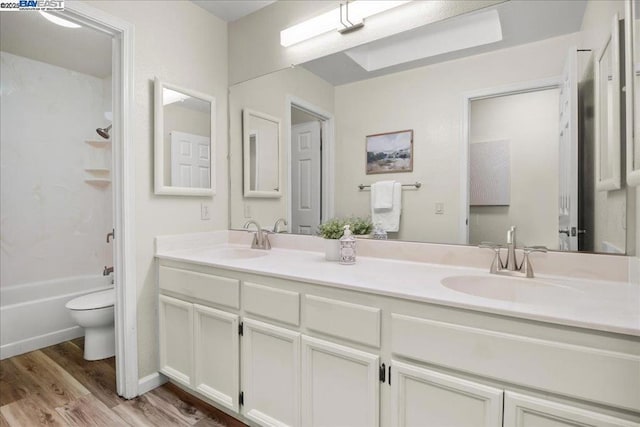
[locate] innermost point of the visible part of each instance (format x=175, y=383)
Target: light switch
x=439, y=208
x=205, y=212
x=247, y=211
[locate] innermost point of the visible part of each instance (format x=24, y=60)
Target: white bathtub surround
x=33, y=315
x=53, y=223
x=598, y=297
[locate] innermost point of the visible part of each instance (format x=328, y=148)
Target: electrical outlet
x=247, y=211
x=439, y=208
x=205, y=212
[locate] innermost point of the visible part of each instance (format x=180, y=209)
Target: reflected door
x=305, y=177
x=568, y=156
x=190, y=160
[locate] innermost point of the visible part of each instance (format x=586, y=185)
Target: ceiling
x=28, y=34
x=521, y=22
x=233, y=10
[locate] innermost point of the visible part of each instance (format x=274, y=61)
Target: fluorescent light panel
x=330, y=21
x=59, y=21
x=465, y=32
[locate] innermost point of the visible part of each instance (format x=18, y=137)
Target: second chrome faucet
x=511, y=266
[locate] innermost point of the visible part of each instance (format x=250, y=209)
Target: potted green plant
x=333, y=229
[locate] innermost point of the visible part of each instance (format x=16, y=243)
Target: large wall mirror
x=524, y=96
x=632, y=56
x=184, y=141
x=261, y=154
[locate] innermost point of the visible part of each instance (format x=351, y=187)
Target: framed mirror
x=184, y=141
x=607, y=112
x=632, y=59
x=261, y=154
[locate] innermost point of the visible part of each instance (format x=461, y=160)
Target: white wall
x=428, y=100
x=254, y=41
x=54, y=224
x=530, y=122
x=268, y=94
x=184, y=45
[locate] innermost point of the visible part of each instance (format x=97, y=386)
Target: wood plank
x=54, y=385
x=214, y=416
x=97, y=376
x=3, y=422
x=31, y=411
x=14, y=386
x=89, y=411
x=143, y=412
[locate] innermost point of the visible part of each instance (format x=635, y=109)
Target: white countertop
x=591, y=304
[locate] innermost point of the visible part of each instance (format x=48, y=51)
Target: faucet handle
x=529, y=249
x=496, y=263
x=526, y=266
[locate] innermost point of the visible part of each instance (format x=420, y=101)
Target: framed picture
x=390, y=152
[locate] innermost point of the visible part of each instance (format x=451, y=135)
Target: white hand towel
x=382, y=195
x=389, y=219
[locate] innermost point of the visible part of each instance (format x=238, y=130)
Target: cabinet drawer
x=353, y=322
x=206, y=287
x=572, y=370
x=272, y=303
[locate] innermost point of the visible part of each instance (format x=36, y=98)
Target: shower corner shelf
x=98, y=142
x=97, y=169
x=99, y=182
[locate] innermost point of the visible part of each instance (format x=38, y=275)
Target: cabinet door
x=176, y=339
x=340, y=385
x=421, y=397
x=526, y=411
x=270, y=374
x=216, y=355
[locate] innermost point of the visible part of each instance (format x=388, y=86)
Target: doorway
x=310, y=160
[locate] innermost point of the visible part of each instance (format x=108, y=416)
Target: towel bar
x=416, y=185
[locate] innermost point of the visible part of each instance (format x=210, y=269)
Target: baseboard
x=35, y=343
x=150, y=382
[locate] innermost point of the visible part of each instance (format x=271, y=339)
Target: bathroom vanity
x=283, y=337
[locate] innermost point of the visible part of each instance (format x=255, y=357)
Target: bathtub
x=33, y=315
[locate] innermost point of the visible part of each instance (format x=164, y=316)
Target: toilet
x=94, y=312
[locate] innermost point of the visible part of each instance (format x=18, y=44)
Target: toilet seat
x=93, y=301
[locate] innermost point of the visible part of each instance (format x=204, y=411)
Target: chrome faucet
x=260, y=237
x=511, y=267
x=107, y=270
x=277, y=224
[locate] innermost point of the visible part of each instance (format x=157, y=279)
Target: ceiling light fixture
x=352, y=18
x=59, y=21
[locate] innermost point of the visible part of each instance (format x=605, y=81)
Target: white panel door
x=270, y=374
x=190, y=160
x=421, y=397
x=306, y=191
x=176, y=339
x=340, y=385
x=568, y=156
x=526, y=411
x=217, y=355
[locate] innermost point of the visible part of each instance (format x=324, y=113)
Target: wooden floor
x=55, y=386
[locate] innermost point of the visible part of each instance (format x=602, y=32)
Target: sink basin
x=237, y=253
x=507, y=288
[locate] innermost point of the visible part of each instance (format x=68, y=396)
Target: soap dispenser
x=347, y=247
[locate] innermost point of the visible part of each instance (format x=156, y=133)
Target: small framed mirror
x=607, y=112
x=184, y=141
x=632, y=83
x=261, y=150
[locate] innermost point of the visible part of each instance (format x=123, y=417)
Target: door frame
x=327, y=154
x=492, y=92
x=123, y=181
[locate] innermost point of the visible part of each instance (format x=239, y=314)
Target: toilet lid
x=93, y=301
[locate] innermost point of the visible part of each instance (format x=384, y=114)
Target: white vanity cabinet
x=278, y=352
x=340, y=385
x=270, y=374
x=422, y=397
